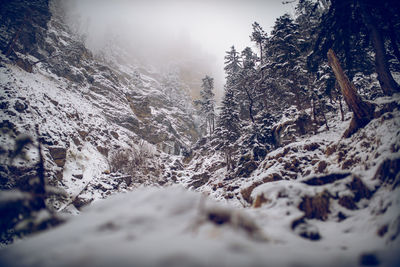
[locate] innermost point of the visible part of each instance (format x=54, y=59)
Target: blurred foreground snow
x=175, y=227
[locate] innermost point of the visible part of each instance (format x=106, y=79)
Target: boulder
x=326, y=179
x=306, y=230
x=59, y=155
x=246, y=169
x=199, y=180
x=103, y=150
x=388, y=172
x=83, y=134
x=316, y=207
x=79, y=202
x=20, y=106
x=24, y=64
x=114, y=134
x=246, y=192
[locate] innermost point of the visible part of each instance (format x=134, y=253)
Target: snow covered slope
x=342, y=194
x=87, y=109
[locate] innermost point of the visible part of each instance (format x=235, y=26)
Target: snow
x=88, y=162
x=159, y=227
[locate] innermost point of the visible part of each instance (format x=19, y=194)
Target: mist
x=190, y=35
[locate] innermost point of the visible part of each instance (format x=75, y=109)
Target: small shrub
x=119, y=160
x=137, y=161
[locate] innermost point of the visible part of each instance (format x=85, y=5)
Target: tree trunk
x=393, y=41
x=385, y=78
x=313, y=109
x=227, y=157
x=341, y=108
x=325, y=120
x=251, y=103
x=387, y=17
x=363, y=111
x=210, y=126
x=11, y=44
x=337, y=89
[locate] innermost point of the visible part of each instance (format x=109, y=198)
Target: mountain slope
x=104, y=126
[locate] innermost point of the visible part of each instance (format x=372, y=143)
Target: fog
x=192, y=35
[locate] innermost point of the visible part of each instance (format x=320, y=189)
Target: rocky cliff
x=87, y=108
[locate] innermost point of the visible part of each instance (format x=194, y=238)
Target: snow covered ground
x=176, y=227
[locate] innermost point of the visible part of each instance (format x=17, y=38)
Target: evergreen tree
x=228, y=125
x=259, y=37
x=248, y=76
x=207, y=102
x=228, y=130
x=320, y=85
x=249, y=59
x=233, y=70
x=286, y=63
x=232, y=66
x=308, y=14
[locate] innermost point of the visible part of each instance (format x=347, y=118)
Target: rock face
x=86, y=108
x=21, y=21
x=133, y=95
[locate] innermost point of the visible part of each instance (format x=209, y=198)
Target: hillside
x=109, y=162
x=88, y=111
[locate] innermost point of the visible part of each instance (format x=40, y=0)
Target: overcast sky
x=188, y=30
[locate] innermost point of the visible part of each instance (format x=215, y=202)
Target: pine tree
x=232, y=65
x=321, y=84
x=228, y=130
x=234, y=78
x=308, y=14
x=259, y=37
x=228, y=125
x=207, y=102
x=248, y=76
x=286, y=63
